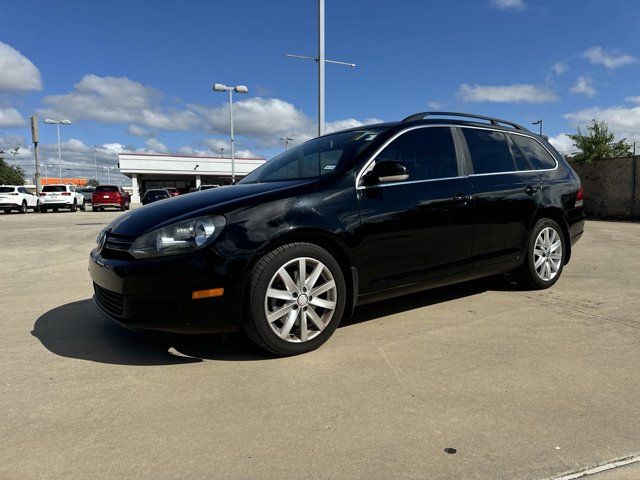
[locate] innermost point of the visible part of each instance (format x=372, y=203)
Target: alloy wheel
x=300, y=300
x=547, y=254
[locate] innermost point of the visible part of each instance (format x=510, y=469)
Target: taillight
x=580, y=197
x=42, y=194
x=66, y=193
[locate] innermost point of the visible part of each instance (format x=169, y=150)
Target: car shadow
x=78, y=330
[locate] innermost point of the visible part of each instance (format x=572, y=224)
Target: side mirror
x=386, y=172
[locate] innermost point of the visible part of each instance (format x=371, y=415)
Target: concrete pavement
x=523, y=385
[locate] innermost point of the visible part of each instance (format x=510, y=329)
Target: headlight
x=181, y=237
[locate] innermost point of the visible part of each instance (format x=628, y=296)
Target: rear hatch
x=106, y=194
x=54, y=192
x=8, y=195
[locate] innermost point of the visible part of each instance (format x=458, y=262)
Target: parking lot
x=522, y=384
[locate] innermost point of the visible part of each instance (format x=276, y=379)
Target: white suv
x=60, y=196
x=15, y=197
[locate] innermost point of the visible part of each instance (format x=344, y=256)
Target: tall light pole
x=320, y=60
x=221, y=151
x=539, y=122
x=57, y=123
x=286, y=142
x=219, y=87
x=95, y=159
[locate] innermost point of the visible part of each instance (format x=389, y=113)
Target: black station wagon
x=344, y=219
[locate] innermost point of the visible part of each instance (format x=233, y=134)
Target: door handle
x=530, y=190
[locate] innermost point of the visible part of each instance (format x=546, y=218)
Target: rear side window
x=106, y=188
x=7, y=189
x=490, y=152
x=428, y=153
x=54, y=188
x=535, y=153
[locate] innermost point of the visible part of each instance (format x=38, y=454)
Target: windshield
x=7, y=189
x=314, y=158
x=54, y=188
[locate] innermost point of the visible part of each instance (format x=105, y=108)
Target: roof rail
x=493, y=121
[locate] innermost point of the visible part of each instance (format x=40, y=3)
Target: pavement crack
x=397, y=371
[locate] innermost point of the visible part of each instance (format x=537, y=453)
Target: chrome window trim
x=371, y=160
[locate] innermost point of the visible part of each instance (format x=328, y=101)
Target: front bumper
x=155, y=294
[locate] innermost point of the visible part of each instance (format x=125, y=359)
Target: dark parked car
x=172, y=191
x=154, y=195
x=110, y=196
x=345, y=219
x=87, y=193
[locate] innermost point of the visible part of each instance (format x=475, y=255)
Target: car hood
x=214, y=201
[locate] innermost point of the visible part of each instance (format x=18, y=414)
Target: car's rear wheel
x=43, y=209
x=55, y=209
x=296, y=299
x=83, y=207
x=7, y=210
x=23, y=207
x=94, y=209
x=74, y=207
x=126, y=206
x=123, y=207
x=545, y=255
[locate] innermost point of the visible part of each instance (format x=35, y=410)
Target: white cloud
x=10, y=117
x=623, y=121
x=118, y=100
x=137, y=131
x=563, y=143
x=559, y=68
x=434, y=105
x=154, y=146
x=598, y=55
x=516, y=93
x=633, y=99
x=584, y=85
x=509, y=4
x=19, y=74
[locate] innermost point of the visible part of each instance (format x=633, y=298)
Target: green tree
x=10, y=174
x=598, y=143
x=93, y=183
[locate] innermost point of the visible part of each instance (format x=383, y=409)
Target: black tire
x=7, y=210
x=83, y=207
x=123, y=207
x=36, y=208
x=23, y=207
x=43, y=209
x=74, y=207
x=126, y=206
x=527, y=274
x=94, y=209
x=255, y=323
x=55, y=209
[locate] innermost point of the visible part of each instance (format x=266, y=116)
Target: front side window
x=490, y=152
x=535, y=153
x=314, y=158
x=427, y=153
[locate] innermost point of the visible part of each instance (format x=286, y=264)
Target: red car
x=172, y=191
x=110, y=196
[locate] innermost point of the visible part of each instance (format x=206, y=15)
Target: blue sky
x=137, y=75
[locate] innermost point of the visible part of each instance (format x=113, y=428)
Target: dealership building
x=183, y=172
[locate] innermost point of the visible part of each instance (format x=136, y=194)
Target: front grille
x=117, y=247
x=110, y=302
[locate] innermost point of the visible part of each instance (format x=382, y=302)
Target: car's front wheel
x=296, y=299
x=545, y=255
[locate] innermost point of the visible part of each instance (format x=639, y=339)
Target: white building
x=183, y=172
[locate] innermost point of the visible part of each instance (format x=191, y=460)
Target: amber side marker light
x=212, y=292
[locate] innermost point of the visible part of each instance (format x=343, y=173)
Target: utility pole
x=286, y=142
x=320, y=60
x=34, y=139
x=95, y=159
x=539, y=122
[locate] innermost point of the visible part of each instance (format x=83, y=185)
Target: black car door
x=421, y=227
x=506, y=195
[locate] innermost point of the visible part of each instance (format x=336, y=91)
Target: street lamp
x=219, y=87
x=539, y=122
x=57, y=123
x=286, y=141
x=108, y=169
x=221, y=151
